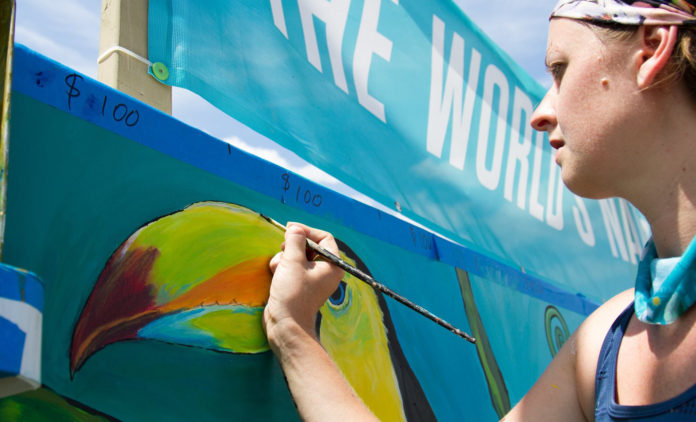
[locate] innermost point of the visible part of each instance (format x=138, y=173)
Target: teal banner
x=410, y=103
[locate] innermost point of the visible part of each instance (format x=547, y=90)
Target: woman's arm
x=554, y=397
x=299, y=288
x=565, y=391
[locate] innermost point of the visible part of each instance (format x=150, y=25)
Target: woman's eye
x=557, y=70
x=338, y=296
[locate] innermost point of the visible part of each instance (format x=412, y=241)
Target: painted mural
x=149, y=239
x=199, y=277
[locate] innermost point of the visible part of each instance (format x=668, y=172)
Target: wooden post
x=7, y=19
x=124, y=25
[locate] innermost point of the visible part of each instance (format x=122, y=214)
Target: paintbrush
x=330, y=257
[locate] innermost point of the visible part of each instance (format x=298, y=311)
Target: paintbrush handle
x=328, y=255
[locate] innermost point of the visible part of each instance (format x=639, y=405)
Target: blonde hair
x=684, y=59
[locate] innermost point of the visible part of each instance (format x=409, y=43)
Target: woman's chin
x=590, y=189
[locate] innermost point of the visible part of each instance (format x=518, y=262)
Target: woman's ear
x=657, y=45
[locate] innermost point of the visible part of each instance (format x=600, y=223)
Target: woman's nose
x=544, y=116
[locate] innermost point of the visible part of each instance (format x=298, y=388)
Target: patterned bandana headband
x=629, y=12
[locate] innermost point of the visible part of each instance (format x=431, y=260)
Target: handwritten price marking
x=119, y=112
x=302, y=194
x=422, y=239
x=71, y=81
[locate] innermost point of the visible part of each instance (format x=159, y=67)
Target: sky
x=68, y=32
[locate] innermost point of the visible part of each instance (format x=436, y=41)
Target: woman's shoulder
x=593, y=330
x=587, y=343
x=565, y=391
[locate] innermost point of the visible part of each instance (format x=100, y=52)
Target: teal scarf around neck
x=665, y=287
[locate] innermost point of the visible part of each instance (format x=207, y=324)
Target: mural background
x=81, y=182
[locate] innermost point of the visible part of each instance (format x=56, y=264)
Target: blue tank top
x=679, y=408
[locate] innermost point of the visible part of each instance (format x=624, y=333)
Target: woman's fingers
x=273, y=264
x=295, y=243
x=327, y=241
x=323, y=238
x=300, y=287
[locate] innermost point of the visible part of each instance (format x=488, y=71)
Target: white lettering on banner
x=452, y=104
x=447, y=104
x=554, y=209
x=535, y=207
x=369, y=42
x=451, y=100
x=489, y=178
x=334, y=14
x=583, y=222
x=633, y=244
x=519, y=151
x=462, y=124
x=279, y=17
x=614, y=229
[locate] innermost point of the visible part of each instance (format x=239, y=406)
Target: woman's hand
x=300, y=285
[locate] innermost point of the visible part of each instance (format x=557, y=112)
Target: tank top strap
x=679, y=408
x=606, y=364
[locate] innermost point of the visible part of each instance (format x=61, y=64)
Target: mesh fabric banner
x=410, y=103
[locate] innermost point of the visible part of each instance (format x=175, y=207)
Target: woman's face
x=592, y=111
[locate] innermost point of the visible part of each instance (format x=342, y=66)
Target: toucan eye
x=338, y=296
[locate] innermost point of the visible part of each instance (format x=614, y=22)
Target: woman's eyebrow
x=550, y=57
x=548, y=64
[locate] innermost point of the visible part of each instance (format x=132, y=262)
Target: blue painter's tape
x=12, y=339
x=20, y=285
x=9, y=284
x=54, y=84
x=34, y=291
x=492, y=270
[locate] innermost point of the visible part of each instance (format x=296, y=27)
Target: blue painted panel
x=12, y=340
x=21, y=285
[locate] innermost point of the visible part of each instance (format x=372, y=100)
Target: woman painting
x=621, y=116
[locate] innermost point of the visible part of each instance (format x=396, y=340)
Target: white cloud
x=273, y=154
x=74, y=21
x=66, y=31
x=56, y=50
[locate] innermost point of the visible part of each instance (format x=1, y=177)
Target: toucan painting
x=199, y=277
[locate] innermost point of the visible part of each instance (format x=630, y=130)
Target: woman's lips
x=556, y=143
